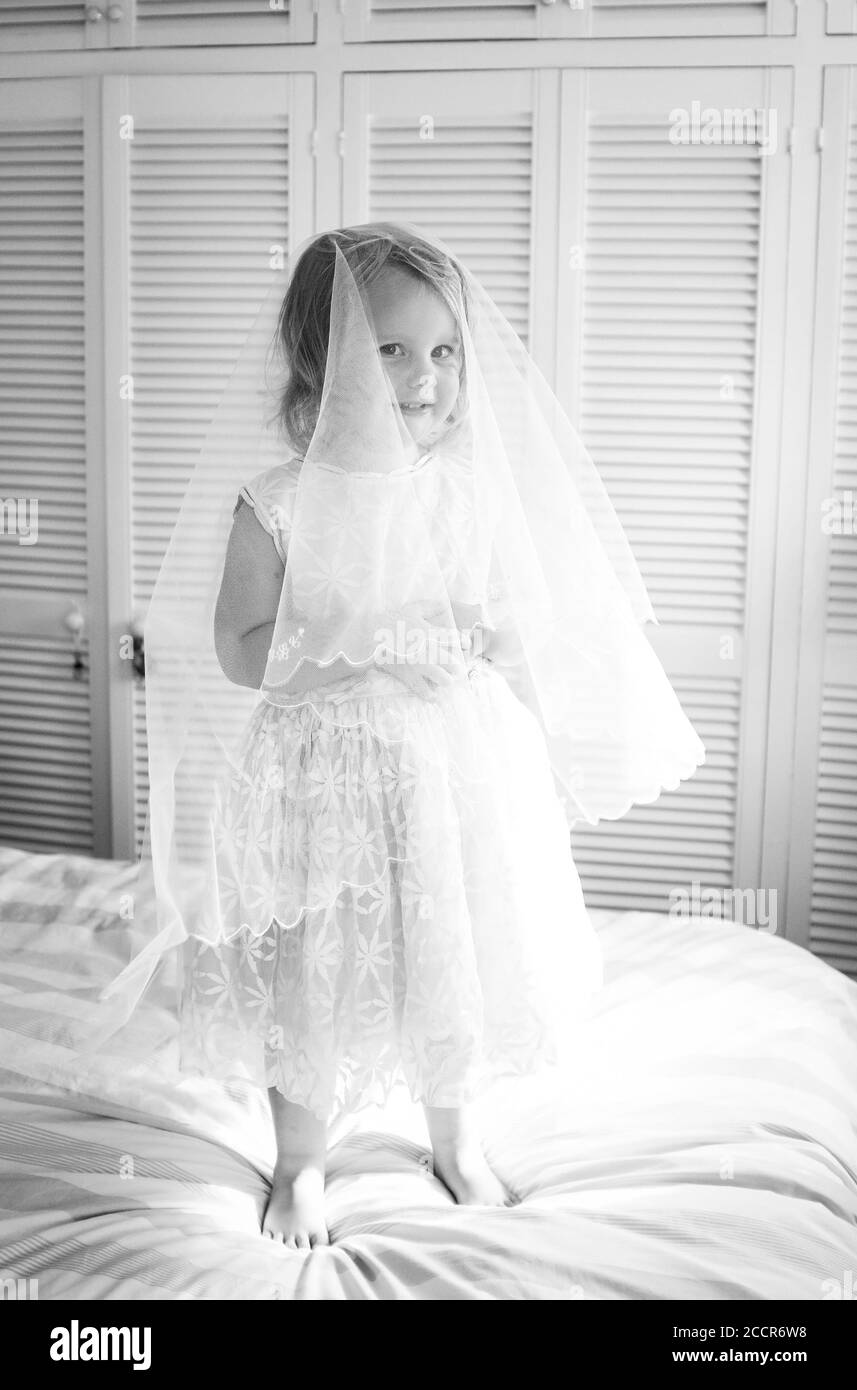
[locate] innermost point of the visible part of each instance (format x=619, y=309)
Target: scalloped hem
x=689, y=769
x=313, y=697
x=321, y=906
x=537, y=1068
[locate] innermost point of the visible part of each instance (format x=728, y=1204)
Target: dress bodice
x=444, y=487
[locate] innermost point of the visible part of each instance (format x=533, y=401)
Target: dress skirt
x=401, y=900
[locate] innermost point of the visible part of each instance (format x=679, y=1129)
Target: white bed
x=705, y=1148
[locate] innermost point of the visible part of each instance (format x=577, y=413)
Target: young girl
x=455, y=962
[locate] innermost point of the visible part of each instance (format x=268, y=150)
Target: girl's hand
x=497, y=643
x=422, y=678
x=411, y=633
x=502, y=646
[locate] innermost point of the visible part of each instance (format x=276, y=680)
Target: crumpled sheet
x=704, y=1147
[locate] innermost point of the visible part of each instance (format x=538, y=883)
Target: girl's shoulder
x=271, y=494
x=282, y=476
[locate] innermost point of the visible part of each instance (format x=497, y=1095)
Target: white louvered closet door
x=841, y=17
x=823, y=838
x=42, y=25
x=671, y=294
x=472, y=157
x=46, y=745
x=644, y=307
x=207, y=181
x=505, y=19
x=173, y=23
x=38, y=26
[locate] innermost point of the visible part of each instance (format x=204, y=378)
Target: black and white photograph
x=428, y=665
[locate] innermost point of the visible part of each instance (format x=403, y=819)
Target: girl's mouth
x=413, y=407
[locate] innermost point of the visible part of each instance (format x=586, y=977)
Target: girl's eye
x=444, y=350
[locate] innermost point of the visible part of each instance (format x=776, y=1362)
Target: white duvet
x=705, y=1146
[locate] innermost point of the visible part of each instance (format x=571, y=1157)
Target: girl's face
x=420, y=349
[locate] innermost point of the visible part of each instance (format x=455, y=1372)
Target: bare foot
x=465, y=1171
x=295, y=1211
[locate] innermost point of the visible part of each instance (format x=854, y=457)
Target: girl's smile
x=420, y=349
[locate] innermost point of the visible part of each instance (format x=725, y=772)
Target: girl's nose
x=423, y=381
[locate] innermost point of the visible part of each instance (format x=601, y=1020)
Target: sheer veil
x=366, y=573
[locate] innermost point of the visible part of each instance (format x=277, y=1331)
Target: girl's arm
x=246, y=611
x=248, y=600
x=502, y=645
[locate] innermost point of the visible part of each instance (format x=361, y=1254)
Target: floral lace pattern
x=399, y=895
x=457, y=950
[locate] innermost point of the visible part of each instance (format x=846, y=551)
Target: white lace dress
x=398, y=918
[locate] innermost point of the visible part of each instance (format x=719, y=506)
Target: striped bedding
x=704, y=1148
